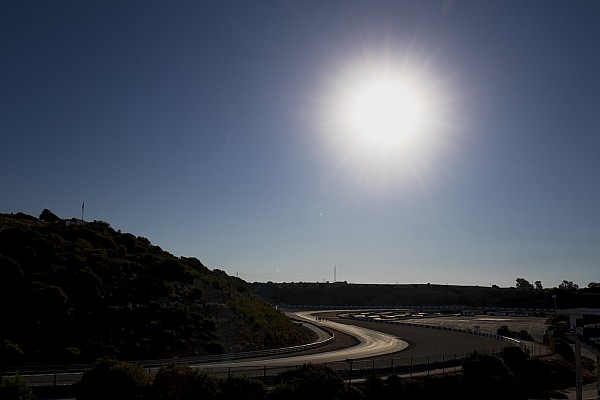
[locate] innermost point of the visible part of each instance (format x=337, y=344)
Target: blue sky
x=213, y=129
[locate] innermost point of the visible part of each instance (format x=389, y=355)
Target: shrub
x=15, y=388
x=485, y=373
x=10, y=353
x=307, y=381
x=516, y=360
x=374, y=387
x=235, y=388
x=215, y=347
x=564, y=349
x=184, y=383
x=115, y=380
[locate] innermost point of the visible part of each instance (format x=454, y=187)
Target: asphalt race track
x=425, y=342
x=373, y=343
x=377, y=341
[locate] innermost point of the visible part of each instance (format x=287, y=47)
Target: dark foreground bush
x=184, y=383
x=236, y=388
x=308, y=382
x=15, y=388
x=115, y=380
x=488, y=376
x=532, y=373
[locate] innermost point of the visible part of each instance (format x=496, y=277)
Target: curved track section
x=372, y=344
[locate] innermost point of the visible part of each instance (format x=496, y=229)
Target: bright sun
x=383, y=111
x=386, y=121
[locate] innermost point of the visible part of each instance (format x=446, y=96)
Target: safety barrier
x=72, y=368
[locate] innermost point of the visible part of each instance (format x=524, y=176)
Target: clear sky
x=424, y=141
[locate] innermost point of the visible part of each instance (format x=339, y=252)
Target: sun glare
x=383, y=112
x=386, y=122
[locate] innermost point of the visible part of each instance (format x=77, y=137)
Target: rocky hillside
x=73, y=291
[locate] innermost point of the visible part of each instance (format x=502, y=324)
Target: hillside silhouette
x=342, y=294
x=73, y=291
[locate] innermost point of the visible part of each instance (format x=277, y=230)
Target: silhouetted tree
x=594, y=285
x=48, y=216
x=568, y=285
x=523, y=283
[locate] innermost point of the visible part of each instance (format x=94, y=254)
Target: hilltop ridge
x=345, y=294
x=73, y=291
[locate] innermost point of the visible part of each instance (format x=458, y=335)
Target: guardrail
x=350, y=369
x=362, y=368
x=412, y=307
x=52, y=369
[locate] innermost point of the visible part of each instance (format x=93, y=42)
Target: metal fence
x=359, y=369
x=349, y=369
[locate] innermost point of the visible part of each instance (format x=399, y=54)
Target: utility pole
x=578, y=378
x=334, y=274
x=555, y=322
x=82, y=208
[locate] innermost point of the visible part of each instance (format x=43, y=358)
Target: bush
x=310, y=381
x=538, y=373
x=215, y=347
x=374, y=387
x=235, y=388
x=564, y=349
x=10, y=353
x=15, y=388
x=484, y=373
x=184, y=383
x=115, y=380
x=522, y=334
x=516, y=360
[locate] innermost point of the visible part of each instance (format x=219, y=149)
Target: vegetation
x=525, y=295
x=522, y=334
x=15, y=388
x=112, y=379
x=309, y=381
x=78, y=292
x=514, y=375
x=484, y=372
x=119, y=380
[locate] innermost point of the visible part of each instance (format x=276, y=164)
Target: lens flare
x=385, y=123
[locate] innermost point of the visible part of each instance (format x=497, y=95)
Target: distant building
x=74, y=222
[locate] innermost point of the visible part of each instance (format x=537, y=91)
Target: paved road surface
x=372, y=344
x=376, y=341
x=425, y=342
